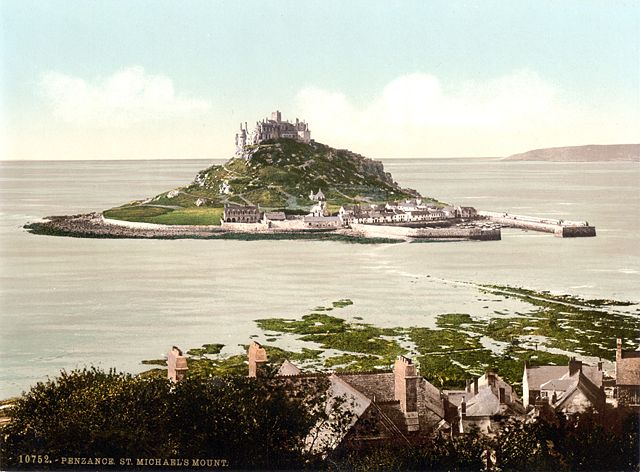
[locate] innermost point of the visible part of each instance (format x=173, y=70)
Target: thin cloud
x=126, y=97
x=416, y=116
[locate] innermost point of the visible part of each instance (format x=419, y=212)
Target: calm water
x=72, y=302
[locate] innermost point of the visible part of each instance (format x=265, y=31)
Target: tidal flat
x=462, y=345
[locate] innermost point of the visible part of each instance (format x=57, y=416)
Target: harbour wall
x=560, y=228
x=403, y=232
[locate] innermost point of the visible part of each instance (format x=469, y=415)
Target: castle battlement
x=272, y=128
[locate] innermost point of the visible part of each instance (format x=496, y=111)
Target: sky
x=388, y=79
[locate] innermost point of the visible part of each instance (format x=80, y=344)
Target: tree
x=86, y=413
x=252, y=423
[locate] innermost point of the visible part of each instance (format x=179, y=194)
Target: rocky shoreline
x=94, y=225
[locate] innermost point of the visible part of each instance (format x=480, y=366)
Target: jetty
x=560, y=228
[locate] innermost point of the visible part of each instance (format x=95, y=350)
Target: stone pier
x=560, y=228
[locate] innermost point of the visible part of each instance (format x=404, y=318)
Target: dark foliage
x=578, y=443
x=90, y=413
x=263, y=424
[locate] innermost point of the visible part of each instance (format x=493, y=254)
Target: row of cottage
x=400, y=403
x=407, y=211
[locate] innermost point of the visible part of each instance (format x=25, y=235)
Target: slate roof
x=375, y=389
x=485, y=403
x=324, y=436
x=558, y=385
x=539, y=375
x=287, y=368
x=322, y=219
x=580, y=382
x=628, y=368
x=378, y=386
x=275, y=215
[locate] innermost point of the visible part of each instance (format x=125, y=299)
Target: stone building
x=568, y=389
x=273, y=128
x=384, y=405
x=465, y=212
x=273, y=216
x=241, y=213
x=176, y=365
x=312, y=221
x=627, y=376
x=484, y=404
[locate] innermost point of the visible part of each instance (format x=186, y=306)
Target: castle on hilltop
x=273, y=128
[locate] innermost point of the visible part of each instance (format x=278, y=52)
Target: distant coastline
x=588, y=153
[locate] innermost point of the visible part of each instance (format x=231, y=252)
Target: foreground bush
x=90, y=413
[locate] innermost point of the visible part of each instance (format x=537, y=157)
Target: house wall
x=628, y=395
x=576, y=403
x=525, y=389
x=483, y=423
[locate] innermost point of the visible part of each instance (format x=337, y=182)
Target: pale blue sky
x=145, y=79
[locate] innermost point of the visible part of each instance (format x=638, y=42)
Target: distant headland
x=281, y=184
x=588, y=153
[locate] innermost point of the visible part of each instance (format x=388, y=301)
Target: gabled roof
x=430, y=397
x=558, y=385
x=538, y=375
x=288, y=368
x=485, y=403
x=581, y=383
x=324, y=435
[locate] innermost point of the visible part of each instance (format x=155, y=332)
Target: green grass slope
x=277, y=175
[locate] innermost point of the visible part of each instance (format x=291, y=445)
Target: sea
x=69, y=303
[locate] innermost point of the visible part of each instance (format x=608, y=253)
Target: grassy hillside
x=276, y=175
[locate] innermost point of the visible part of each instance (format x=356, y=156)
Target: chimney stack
x=257, y=359
x=618, y=349
x=491, y=379
x=475, y=386
x=574, y=366
x=176, y=365
x=406, y=390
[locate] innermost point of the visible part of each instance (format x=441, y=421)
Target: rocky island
x=281, y=184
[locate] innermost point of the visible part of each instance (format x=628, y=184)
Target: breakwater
x=560, y=228
x=388, y=231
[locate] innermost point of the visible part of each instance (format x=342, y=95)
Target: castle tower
x=241, y=139
x=273, y=128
